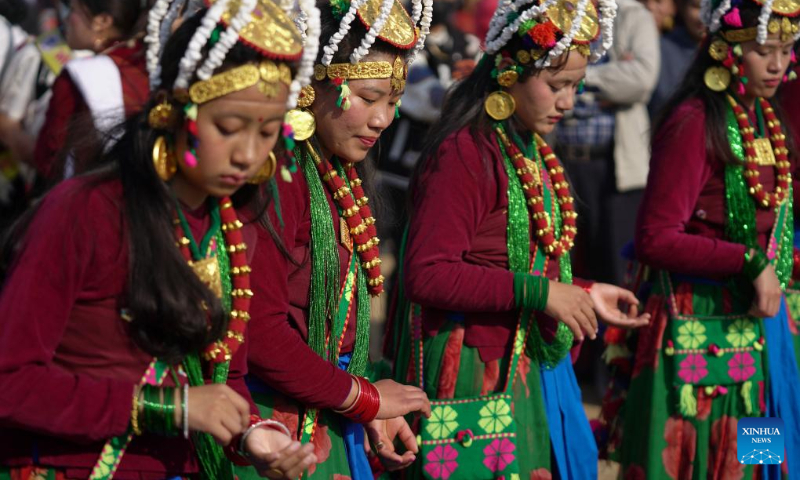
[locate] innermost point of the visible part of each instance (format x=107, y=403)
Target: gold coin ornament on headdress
x=562, y=13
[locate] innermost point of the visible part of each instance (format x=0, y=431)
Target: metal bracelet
x=269, y=423
x=185, y=407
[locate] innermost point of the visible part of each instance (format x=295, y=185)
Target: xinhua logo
x=760, y=441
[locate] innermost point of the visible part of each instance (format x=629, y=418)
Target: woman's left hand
x=381, y=434
x=276, y=456
x=607, y=298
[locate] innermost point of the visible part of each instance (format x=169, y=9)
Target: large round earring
x=301, y=119
x=163, y=159
x=717, y=78
x=500, y=105
x=266, y=172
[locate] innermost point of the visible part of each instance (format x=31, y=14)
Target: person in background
x=603, y=143
x=25, y=91
x=100, y=91
x=13, y=39
x=663, y=13
x=678, y=48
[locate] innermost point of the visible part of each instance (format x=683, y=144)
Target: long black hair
x=129, y=16
x=464, y=108
x=172, y=312
x=714, y=103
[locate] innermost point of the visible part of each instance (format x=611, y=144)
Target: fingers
x=408, y=438
x=628, y=297
x=588, y=310
x=575, y=327
x=291, y=461
x=241, y=406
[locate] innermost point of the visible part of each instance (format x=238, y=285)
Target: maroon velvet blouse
x=67, y=364
x=681, y=222
x=279, y=354
x=456, y=263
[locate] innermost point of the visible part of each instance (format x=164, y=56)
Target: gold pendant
x=765, y=156
x=534, y=168
x=717, y=78
x=207, y=270
x=344, y=235
x=499, y=105
x=302, y=122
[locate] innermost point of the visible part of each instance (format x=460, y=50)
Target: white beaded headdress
x=386, y=20
x=551, y=27
x=260, y=24
x=775, y=16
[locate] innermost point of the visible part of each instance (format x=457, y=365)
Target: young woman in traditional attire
x=487, y=259
x=107, y=87
x=125, y=304
x=715, y=230
x=310, y=328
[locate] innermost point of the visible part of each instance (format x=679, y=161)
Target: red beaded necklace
x=358, y=217
x=223, y=350
x=534, y=192
x=778, y=140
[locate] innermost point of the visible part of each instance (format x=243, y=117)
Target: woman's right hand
x=573, y=306
x=219, y=411
x=767, y=300
x=398, y=400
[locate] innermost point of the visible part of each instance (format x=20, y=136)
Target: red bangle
x=367, y=403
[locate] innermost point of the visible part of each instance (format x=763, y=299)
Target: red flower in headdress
x=544, y=34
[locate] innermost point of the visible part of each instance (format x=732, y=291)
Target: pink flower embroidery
x=499, y=454
x=693, y=368
x=441, y=462
x=741, y=367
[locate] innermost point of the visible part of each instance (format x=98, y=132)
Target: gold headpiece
x=399, y=29
x=269, y=30
x=397, y=72
x=267, y=75
x=563, y=12
x=787, y=8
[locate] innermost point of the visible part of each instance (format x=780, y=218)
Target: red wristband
x=367, y=403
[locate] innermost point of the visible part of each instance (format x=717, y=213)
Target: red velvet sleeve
x=64, y=104
x=277, y=353
x=679, y=169
x=450, y=202
x=35, y=304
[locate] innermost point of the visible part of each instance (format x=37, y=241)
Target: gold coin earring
x=500, y=104
x=301, y=118
x=164, y=159
x=266, y=172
